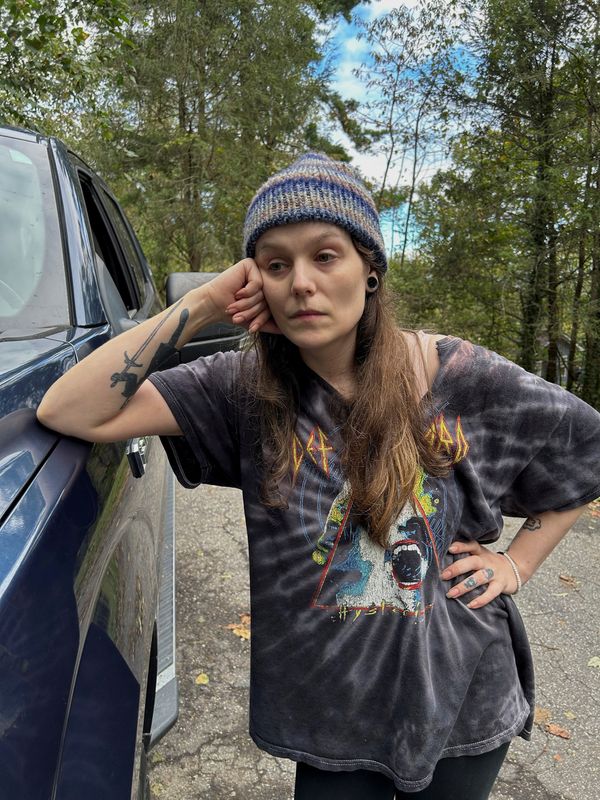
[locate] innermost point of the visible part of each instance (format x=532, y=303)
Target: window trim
x=147, y=278
x=89, y=178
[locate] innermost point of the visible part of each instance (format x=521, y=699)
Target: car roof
x=23, y=133
x=26, y=135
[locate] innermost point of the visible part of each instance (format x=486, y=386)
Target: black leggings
x=460, y=778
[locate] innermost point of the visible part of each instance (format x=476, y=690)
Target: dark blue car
x=87, y=667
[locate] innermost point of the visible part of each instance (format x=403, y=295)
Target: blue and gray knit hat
x=316, y=188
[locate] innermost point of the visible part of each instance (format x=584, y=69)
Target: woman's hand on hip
x=485, y=568
x=237, y=296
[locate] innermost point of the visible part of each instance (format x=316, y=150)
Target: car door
x=116, y=579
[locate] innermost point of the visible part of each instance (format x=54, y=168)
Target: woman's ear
x=372, y=282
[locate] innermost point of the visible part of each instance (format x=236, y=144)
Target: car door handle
x=136, y=455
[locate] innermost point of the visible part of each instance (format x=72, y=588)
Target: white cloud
x=372, y=166
x=346, y=83
x=351, y=52
x=355, y=46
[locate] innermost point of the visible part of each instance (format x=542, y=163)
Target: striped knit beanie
x=316, y=188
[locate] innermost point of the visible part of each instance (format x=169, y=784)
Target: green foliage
x=187, y=107
x=213, y=99
x=48, y=56
x=507, y=247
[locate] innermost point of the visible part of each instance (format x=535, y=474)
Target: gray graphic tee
x=358, y=658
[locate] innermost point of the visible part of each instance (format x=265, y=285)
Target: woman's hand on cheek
x=249, y=308
x=236, y=295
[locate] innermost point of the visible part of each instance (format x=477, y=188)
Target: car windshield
x=33, y=291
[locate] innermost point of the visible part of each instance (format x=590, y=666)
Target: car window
x=33, y=288
x=129, y=245
x=106, y=245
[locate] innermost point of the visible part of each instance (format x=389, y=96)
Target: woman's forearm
x=538, y=536
x=99, y=386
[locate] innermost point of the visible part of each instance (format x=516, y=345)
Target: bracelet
x=515, y=569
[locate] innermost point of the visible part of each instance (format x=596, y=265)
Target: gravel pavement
x=209, y=755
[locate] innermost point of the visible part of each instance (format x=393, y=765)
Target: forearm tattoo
x=164, y=351
x=532, y=524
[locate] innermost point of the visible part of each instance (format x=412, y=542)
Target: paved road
x=209, y=755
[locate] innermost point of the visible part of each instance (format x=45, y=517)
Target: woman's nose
x=302, y=279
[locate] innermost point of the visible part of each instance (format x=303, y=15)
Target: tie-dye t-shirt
x=358, y=658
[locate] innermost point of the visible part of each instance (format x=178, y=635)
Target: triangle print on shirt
x=359, y=574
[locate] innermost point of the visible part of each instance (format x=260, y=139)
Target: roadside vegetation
x=487, y=115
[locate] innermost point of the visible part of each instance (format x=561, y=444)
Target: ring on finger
x=471, y=582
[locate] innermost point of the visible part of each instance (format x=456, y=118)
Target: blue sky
x=350, y=53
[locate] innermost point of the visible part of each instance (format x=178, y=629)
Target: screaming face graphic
x=359, y=573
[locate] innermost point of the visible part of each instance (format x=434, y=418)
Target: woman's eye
x=276, y=266
x=324, y=258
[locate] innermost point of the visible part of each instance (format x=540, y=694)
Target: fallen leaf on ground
x=241, y=628
x=557, y=730
x=594, y=662
x=542, y=716
x=569, y=580
x=570, y=715
x=202, y=679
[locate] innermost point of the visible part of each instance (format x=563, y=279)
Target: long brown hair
x=383, y=426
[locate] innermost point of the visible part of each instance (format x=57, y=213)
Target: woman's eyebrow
x=265, y=246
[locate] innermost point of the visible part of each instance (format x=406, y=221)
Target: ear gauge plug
x=372, y=283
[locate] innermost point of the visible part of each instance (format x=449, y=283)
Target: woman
x=388, y=658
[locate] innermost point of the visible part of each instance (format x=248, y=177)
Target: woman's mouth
x=306, y=313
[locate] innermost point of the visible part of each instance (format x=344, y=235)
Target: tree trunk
x=533, y=297
x=575, y=312
x=552, y=372
x=544, y=234
x=591, y=377
x=590, y=391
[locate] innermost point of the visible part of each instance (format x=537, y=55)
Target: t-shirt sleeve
x=565, y=472
x=203, y=398
x=536, y=446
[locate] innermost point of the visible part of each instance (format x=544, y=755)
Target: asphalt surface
x=209, y=755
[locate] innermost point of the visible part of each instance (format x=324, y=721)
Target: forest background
x=186, y=106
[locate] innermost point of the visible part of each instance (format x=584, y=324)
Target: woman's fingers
x=461, y=566
x=478, y=578
x=253, y=283
x=470, y=546
x=256, y=317
x=248, y=315
x=487, y=569
x=264, y=322
x=245, y=303
x=492, y=591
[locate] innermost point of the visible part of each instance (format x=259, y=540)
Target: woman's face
x=314, y=281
